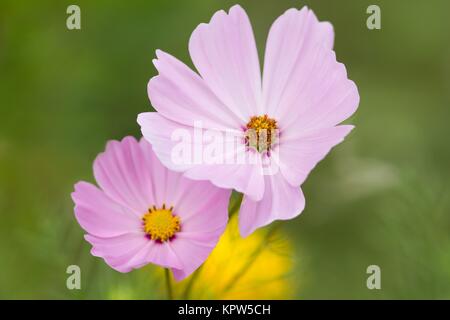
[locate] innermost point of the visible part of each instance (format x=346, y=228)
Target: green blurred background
x=382, y=197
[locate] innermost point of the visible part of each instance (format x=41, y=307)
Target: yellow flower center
x=161, y=224
x=261, y=132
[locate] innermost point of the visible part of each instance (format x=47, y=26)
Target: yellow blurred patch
x=256, y=267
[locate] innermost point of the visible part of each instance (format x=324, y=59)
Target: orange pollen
x=260, y=133
x=161, y=224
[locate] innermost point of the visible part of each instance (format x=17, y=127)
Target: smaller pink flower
x=143, y=213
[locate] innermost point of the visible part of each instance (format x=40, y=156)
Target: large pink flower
x=144, y=213
x=304, y=95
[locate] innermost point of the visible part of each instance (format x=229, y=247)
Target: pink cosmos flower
x=304, y=95
x=144, y=213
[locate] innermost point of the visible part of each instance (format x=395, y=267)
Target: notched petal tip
x=78, y=189
x=234, y=10
x=129, y=139
x=292, y=11
x=237, y=11
x=236, y=7
x=111, y=146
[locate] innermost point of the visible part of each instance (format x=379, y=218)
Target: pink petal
x=245, y=177
x=119, y=251
x=163, y=255
x=129, y=260
x=100, y=215
x=160, y=254
x=281, y=201
x=296, y=66
x=134, y=259
x=324, y=98
x=181, y=95
x=203, y=208
x=122, y=172
x=192, y=251
x=160, y=132
x=165, y=182
x=132, y=251
x=113, y=247
x=224, y=52
x=299, y=153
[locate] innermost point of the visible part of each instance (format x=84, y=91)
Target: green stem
x=234, y=205
x=168, y=284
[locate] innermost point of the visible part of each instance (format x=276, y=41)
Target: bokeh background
x=381, y=197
